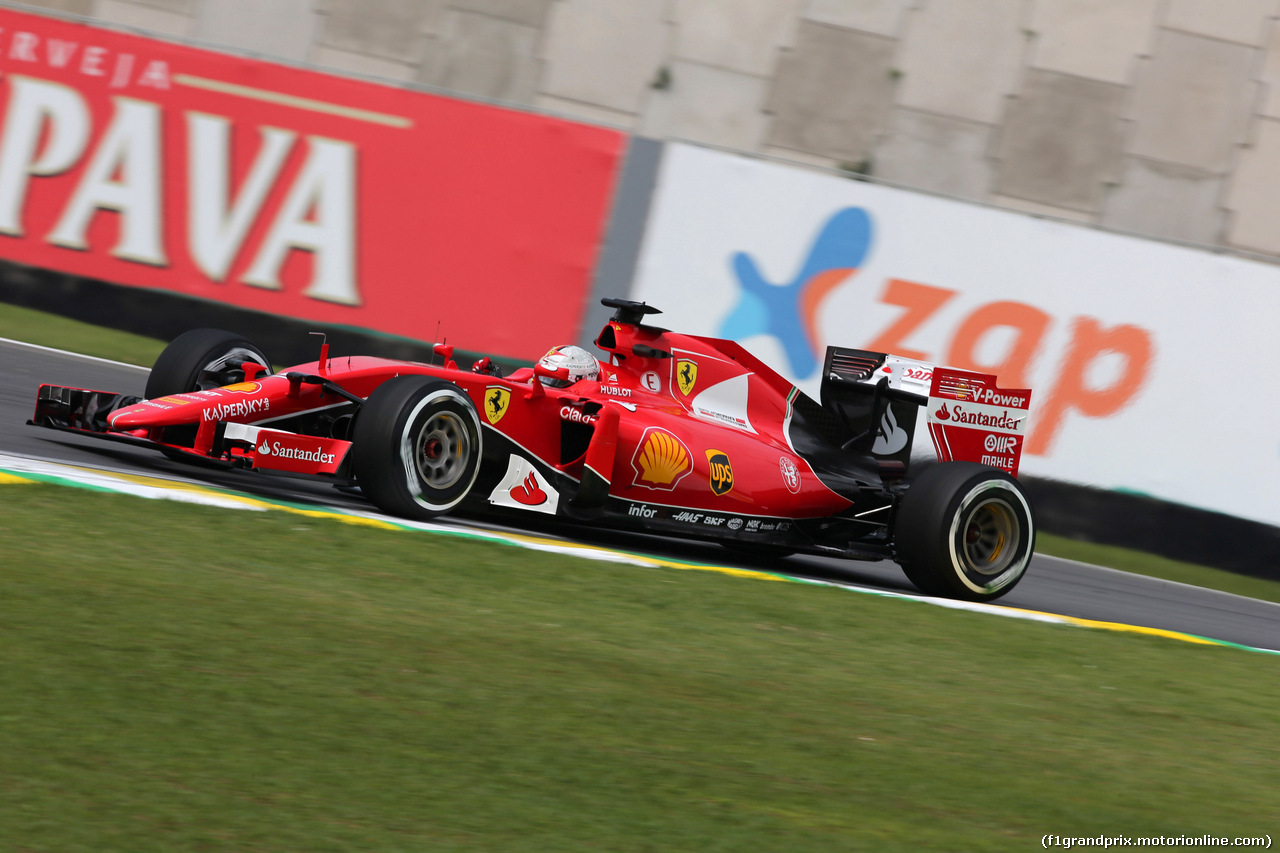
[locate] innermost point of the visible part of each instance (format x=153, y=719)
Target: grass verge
x=180, y=678
x=50, y=330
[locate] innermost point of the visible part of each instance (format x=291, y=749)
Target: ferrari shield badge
x=496, y=399
x=686, y=375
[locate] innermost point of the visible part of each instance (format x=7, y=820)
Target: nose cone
x=239, y=402
x=163, y=411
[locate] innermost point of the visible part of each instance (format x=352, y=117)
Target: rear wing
x=876, y=397
x=971, y=418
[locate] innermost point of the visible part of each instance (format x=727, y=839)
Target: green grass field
x=174, y=677
x=182, y=678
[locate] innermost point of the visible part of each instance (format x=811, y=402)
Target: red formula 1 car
x=676, y=434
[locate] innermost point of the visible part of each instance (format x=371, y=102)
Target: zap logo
x=721, y=472
x=686, y=375
x=661, y=460
x=790, y=312
x=496, y=400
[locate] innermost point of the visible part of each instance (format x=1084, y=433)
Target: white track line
x=73, y=354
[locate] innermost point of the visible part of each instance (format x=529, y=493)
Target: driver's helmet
x=568, y=364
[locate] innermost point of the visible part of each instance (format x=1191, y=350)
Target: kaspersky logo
x=789, y=312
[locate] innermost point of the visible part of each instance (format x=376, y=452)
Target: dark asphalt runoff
x=1052, y=585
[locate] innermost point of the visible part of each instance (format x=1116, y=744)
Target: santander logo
x=528, y=492
x=890, y=438
x=275, y=448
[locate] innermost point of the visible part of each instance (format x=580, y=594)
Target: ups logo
x=721, y=472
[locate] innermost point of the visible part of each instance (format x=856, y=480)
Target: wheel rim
x=216, y=373
x=991, y=537
x=442, y=450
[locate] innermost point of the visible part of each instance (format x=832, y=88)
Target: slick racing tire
x=202, y=359
x=965, y=530
x=417, y=446
x=196, y=361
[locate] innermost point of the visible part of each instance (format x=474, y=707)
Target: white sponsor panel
x=1145, y=358
x=282, y=450
x=524, y=488
x=991, y=418
x=725, y=403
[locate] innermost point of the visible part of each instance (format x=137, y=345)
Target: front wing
x=85, y=411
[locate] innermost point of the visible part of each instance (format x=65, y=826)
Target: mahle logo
x=790, y=312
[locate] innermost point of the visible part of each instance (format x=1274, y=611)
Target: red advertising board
x=296, y=193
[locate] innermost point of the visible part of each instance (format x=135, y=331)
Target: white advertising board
x=1152, y=366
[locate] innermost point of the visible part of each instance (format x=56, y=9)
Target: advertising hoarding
x=1151, y=364
x=297, y=193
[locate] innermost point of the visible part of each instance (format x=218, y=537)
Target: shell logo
x=661, y=460
x=242, y=387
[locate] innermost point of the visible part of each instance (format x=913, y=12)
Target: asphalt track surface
x=1051, y=585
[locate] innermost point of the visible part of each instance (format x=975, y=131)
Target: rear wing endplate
x=971, y=418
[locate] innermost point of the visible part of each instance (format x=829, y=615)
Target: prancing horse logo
x=496, y=399
x=686, y=375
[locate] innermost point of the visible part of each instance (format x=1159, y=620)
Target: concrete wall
x=1156, y=117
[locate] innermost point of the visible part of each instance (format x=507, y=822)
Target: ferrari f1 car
x=677, y=434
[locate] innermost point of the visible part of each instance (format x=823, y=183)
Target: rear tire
x=966, y=531
x=417, y=446
x=202, y=359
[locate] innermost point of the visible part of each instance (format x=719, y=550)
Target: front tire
x=196, y=361
x=966, y=531
x=417, y=447
x=201, y=359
